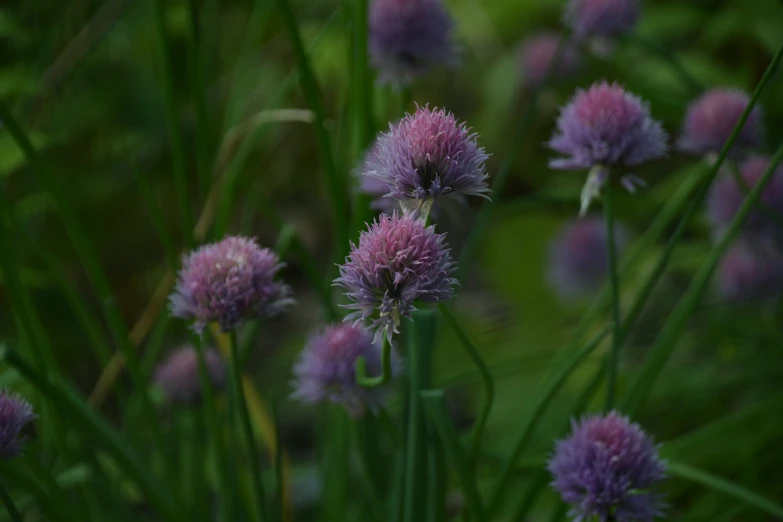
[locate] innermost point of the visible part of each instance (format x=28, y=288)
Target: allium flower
x=603, y=18
x=751, y=270
x=15, y=413
x=326, y=369
x=726, y=197
x=228, y=282
x=537, y=53
x=606, y=128
x=711, y=118
x=408, y=37
x=397, y=261
x=179, y=379
x=608, y=468
x=578, y=260
x=429, y=154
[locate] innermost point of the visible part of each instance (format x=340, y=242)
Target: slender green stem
x=386, y=368
x=277, y=511
x=486, y=375
x=614, y=284
x=10, y=507
x=371, y=466
x=247, y=429
x=196, y=69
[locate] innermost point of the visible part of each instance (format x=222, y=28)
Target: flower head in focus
x=711, y=118
x=601, y=18
x=229, y=282
x=397, y=261
x=751, y=270
x=409, y=37
x=608, y=468
x=15, y=414
x=538, y=52
x=326, y=369
x=178, y=375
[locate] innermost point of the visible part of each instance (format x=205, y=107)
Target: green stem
x=614, y=357
x=247, y=429
x=277, y=512
x=371, y=466
x=203, y=146
x=386, y=368
x=10, y=507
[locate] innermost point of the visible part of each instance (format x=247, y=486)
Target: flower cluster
x=178, y=376
x=15, y=414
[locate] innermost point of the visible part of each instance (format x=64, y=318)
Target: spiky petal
x=15, y=413
x=179, y=379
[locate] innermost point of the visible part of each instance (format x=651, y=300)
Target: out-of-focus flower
x=608, y=468
x=397, y=261
x=578, y=259
x=229, y=282
x=711, y=118
x=326, y=369
x=726, y=197
x=537, y=53
x=15, y=414
x=178, y=375
x=409, y=37
x=601, y=18
x=751, y=270
x=606, y=129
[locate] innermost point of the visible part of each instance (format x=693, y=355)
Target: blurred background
x=86, y=79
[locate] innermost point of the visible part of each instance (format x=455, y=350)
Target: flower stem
x=611, y=374
x=9, y=505
x=386, y=372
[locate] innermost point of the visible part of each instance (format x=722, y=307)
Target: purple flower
x=578, y=260
x=398, y=261
x=229, y=281
x=429, y=154
x=536, y=55
x=711, y=118
x=751, y=270
x=408, y=37
x=178, y=376
x=608, y=468
x=604, y=18
x=15, y=413
x=726, y=197
x=326, y=369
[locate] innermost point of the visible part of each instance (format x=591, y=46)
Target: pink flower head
x=537, y=53
x=15, y=414
x=751, y=270
x=179, y=379
x=603, y=18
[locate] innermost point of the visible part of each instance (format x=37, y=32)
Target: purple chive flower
x=15, y=413
x=537, y=53
x=711, y=118
x=606, y=128
x=178, y=376
x=397, y=261
x=726, y=197
x=429, y=154
x=578, y=261
x=228, y=282
x=409, y=37
x=603, y=18
x=608, y=468
x=326, y=369
x=751, y=270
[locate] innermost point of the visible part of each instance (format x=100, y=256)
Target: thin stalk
x=10, y=507
x=371, y=467
x=386, y=370
x=335, y=465
x=277, y=511
x=614, y=284
x=247, y=429
x=196, y=69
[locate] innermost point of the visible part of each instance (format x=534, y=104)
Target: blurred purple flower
x=536, y=55
x=229, y=281
x=326, y=369
x=751, y=270
x=726, y=197
x=429, y=154
x=608, y=468
x=578, y=261
x=603, y=18
x=398, y=261
x=711, y=118
x=408, y=37
x=15, y=413
x=178, y=376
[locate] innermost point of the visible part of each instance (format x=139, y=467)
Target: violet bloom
x=608, y=468
x=15, y=413
x=537, y=53
x=397, y=261
x=179, y=379
x=427, y=155
x=602, y=18
x=409, y=37
x=578, y=260
x=326, y=370
x=229, y=282
x=711, y=118
x=726, y=197
x=751, y=270
x=606, y=129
